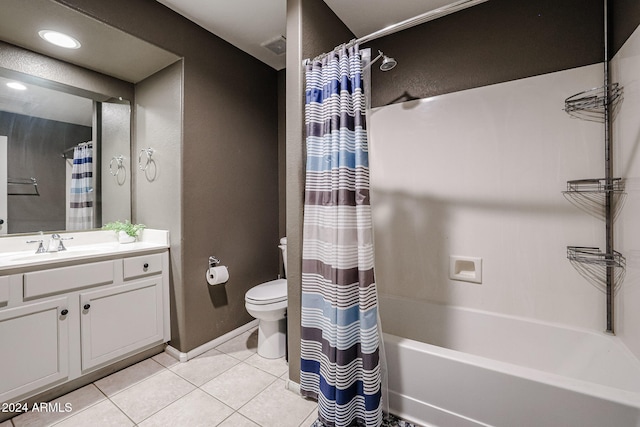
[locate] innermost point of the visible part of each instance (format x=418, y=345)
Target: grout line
x=275, y=378
x=74, y=413
x=134, y=384
x=167, y=405
x=120, y=409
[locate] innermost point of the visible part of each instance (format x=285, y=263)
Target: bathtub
x=455, y=367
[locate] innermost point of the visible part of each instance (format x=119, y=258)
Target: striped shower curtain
x=340, y=356
x=81, y=197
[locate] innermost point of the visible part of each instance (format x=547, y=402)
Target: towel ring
x=149, y=152
x=118, y=159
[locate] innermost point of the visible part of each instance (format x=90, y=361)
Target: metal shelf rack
x=599, y=105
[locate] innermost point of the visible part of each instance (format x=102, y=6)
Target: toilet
x=267, y=302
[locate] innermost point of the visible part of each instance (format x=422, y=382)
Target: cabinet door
x=120, y=320
x=35, y=347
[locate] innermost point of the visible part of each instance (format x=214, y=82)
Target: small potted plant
x=127, y=232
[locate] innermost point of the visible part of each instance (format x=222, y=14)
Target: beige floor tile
x=195, y=409
x=278, y=407
x=275, y=367
x=134, y=374
x=205, y=367
x=78, y=400
x=237, y=420
x=151, y=395
x=165, y=359
x=310, y=419
x=241, y=347
x=6, y=424
x=104, y=414
x=238, y=385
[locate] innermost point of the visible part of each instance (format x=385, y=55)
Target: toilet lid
x=267, y=293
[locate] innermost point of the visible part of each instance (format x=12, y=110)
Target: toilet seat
x=270, y=292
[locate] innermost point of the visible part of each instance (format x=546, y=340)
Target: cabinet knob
x=64, y=312
x=87, y=306
x=146, y=265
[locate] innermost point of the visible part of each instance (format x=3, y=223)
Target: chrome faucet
x=40, y=249
x=61, y=245
x=54, y=243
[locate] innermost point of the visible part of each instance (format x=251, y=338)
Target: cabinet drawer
x=142, y=265
x=4, y=290
x=56, y=280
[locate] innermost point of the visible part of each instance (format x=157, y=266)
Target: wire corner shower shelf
x=591, y=195
x=603, y=269
x=595, y=185
x=593, y=255
x=594, y=103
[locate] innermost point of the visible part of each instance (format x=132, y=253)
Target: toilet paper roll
x=217, y=275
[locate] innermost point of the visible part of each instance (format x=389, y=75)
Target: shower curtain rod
x=64, y=153
x=407, y=23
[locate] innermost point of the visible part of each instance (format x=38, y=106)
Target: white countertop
x=16, y=253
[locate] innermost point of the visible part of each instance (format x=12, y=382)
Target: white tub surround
x=465, y=367
x=66, y=314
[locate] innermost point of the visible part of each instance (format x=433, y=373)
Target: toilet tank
x=283, y=248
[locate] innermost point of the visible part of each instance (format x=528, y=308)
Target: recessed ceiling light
x=16, y=86
x=59, y=39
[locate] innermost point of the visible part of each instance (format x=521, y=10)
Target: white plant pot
x=123, y=237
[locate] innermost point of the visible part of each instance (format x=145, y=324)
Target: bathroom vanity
x=66, y=314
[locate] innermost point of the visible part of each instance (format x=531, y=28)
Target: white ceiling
x=247, y=24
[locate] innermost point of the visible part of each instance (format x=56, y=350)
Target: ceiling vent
x=277, y=45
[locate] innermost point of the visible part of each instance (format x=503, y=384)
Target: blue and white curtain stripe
x=340, y=348
x=81, y=192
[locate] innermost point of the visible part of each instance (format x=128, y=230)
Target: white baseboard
x=183, y=357
x=292, y=386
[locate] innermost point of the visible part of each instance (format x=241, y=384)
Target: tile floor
x=229, y=386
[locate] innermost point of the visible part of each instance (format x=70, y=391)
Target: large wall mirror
x=66, y=159
x=70, y=104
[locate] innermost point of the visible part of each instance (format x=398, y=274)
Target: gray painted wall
x=494, y=42
x=116, y=141
x=229, y=167
x=312, y=28
x=157, y=190
x=282, y=153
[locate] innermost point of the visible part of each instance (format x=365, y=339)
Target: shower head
x=387, y=63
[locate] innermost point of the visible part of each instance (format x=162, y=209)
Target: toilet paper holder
x=213, y=261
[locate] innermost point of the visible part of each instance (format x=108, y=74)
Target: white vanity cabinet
x=117, y=320
x=35, y=347
x=60, y=323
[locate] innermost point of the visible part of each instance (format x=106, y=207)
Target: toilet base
x=272, y=339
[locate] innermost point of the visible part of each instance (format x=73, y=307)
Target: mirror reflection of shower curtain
x=81, y=189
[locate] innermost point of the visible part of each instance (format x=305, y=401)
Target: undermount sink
x=54, y=255
x=19, y=251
